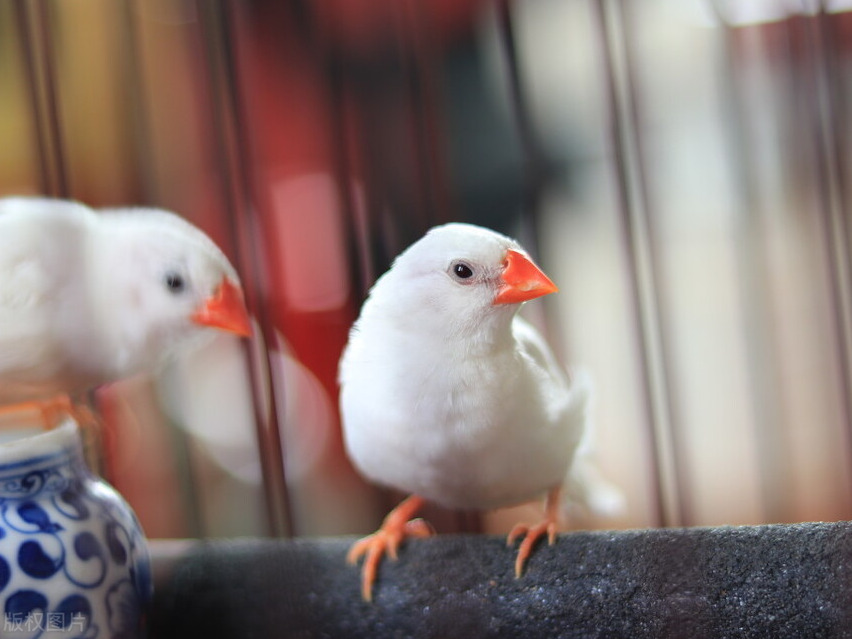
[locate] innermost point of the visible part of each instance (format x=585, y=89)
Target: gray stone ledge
x=774, y=581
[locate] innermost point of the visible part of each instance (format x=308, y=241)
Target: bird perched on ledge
x=88, y=298
x=448, y=395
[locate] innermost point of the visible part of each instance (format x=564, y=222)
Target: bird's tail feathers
x=587, y=493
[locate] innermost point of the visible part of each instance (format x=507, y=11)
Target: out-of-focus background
x=680, y=168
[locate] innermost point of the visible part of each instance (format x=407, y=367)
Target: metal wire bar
x=833, y=194
x=656, y=293
x=421, y=61
x=234, y=166
x=372, y=91
x=670, y=483
x=33, y=22
x=140, y=121
x=534, y=164
x=770, y=422
x=357, y=246
x=421, y=68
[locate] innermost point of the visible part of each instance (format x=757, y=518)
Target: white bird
x=88, y=297
x=448, y=395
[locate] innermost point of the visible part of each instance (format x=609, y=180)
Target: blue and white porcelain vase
x=73, y=559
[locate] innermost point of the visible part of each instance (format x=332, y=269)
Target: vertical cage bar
x=141, y=123
x=423, y=90
x=833, y=195
x=534, y=166
x=655, y=291
x=534, y=162
x=218, y=41
x=33, y=22
x=360, y=266
x=770, y=423
x=643, y=280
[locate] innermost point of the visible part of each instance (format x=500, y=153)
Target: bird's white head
x=460, y=274
x=173, y=280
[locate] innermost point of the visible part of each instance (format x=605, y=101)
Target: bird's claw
x=359, y=548
x=385, y=540
x=373, y=546
x=389, y=539
x=531, y=535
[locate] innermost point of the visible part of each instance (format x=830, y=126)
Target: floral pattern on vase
x=73, y=558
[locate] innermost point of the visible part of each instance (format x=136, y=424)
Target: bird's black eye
x=462, y=271
x=175, y=282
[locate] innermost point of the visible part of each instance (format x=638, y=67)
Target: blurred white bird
x=88, y=298
x=448, y=395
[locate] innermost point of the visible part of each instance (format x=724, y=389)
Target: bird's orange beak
x=522, y=280
x=225, y=310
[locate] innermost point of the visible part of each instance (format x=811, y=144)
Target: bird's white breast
x=464, y=430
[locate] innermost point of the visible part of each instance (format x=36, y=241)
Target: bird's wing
x=531, y=342
x=585, y=486
x=567, y=396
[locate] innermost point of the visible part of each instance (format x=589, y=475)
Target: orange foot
x=533, y=533
x=395, y=528
x=53, y=410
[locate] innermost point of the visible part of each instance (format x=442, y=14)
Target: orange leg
x=532, y=534
x=51, y=410
x=395, y=528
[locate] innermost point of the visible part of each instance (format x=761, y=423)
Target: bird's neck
x=485, y=337
x=115, y=306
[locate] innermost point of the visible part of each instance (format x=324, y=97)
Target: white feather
x=82, y=300
x=448, y=396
